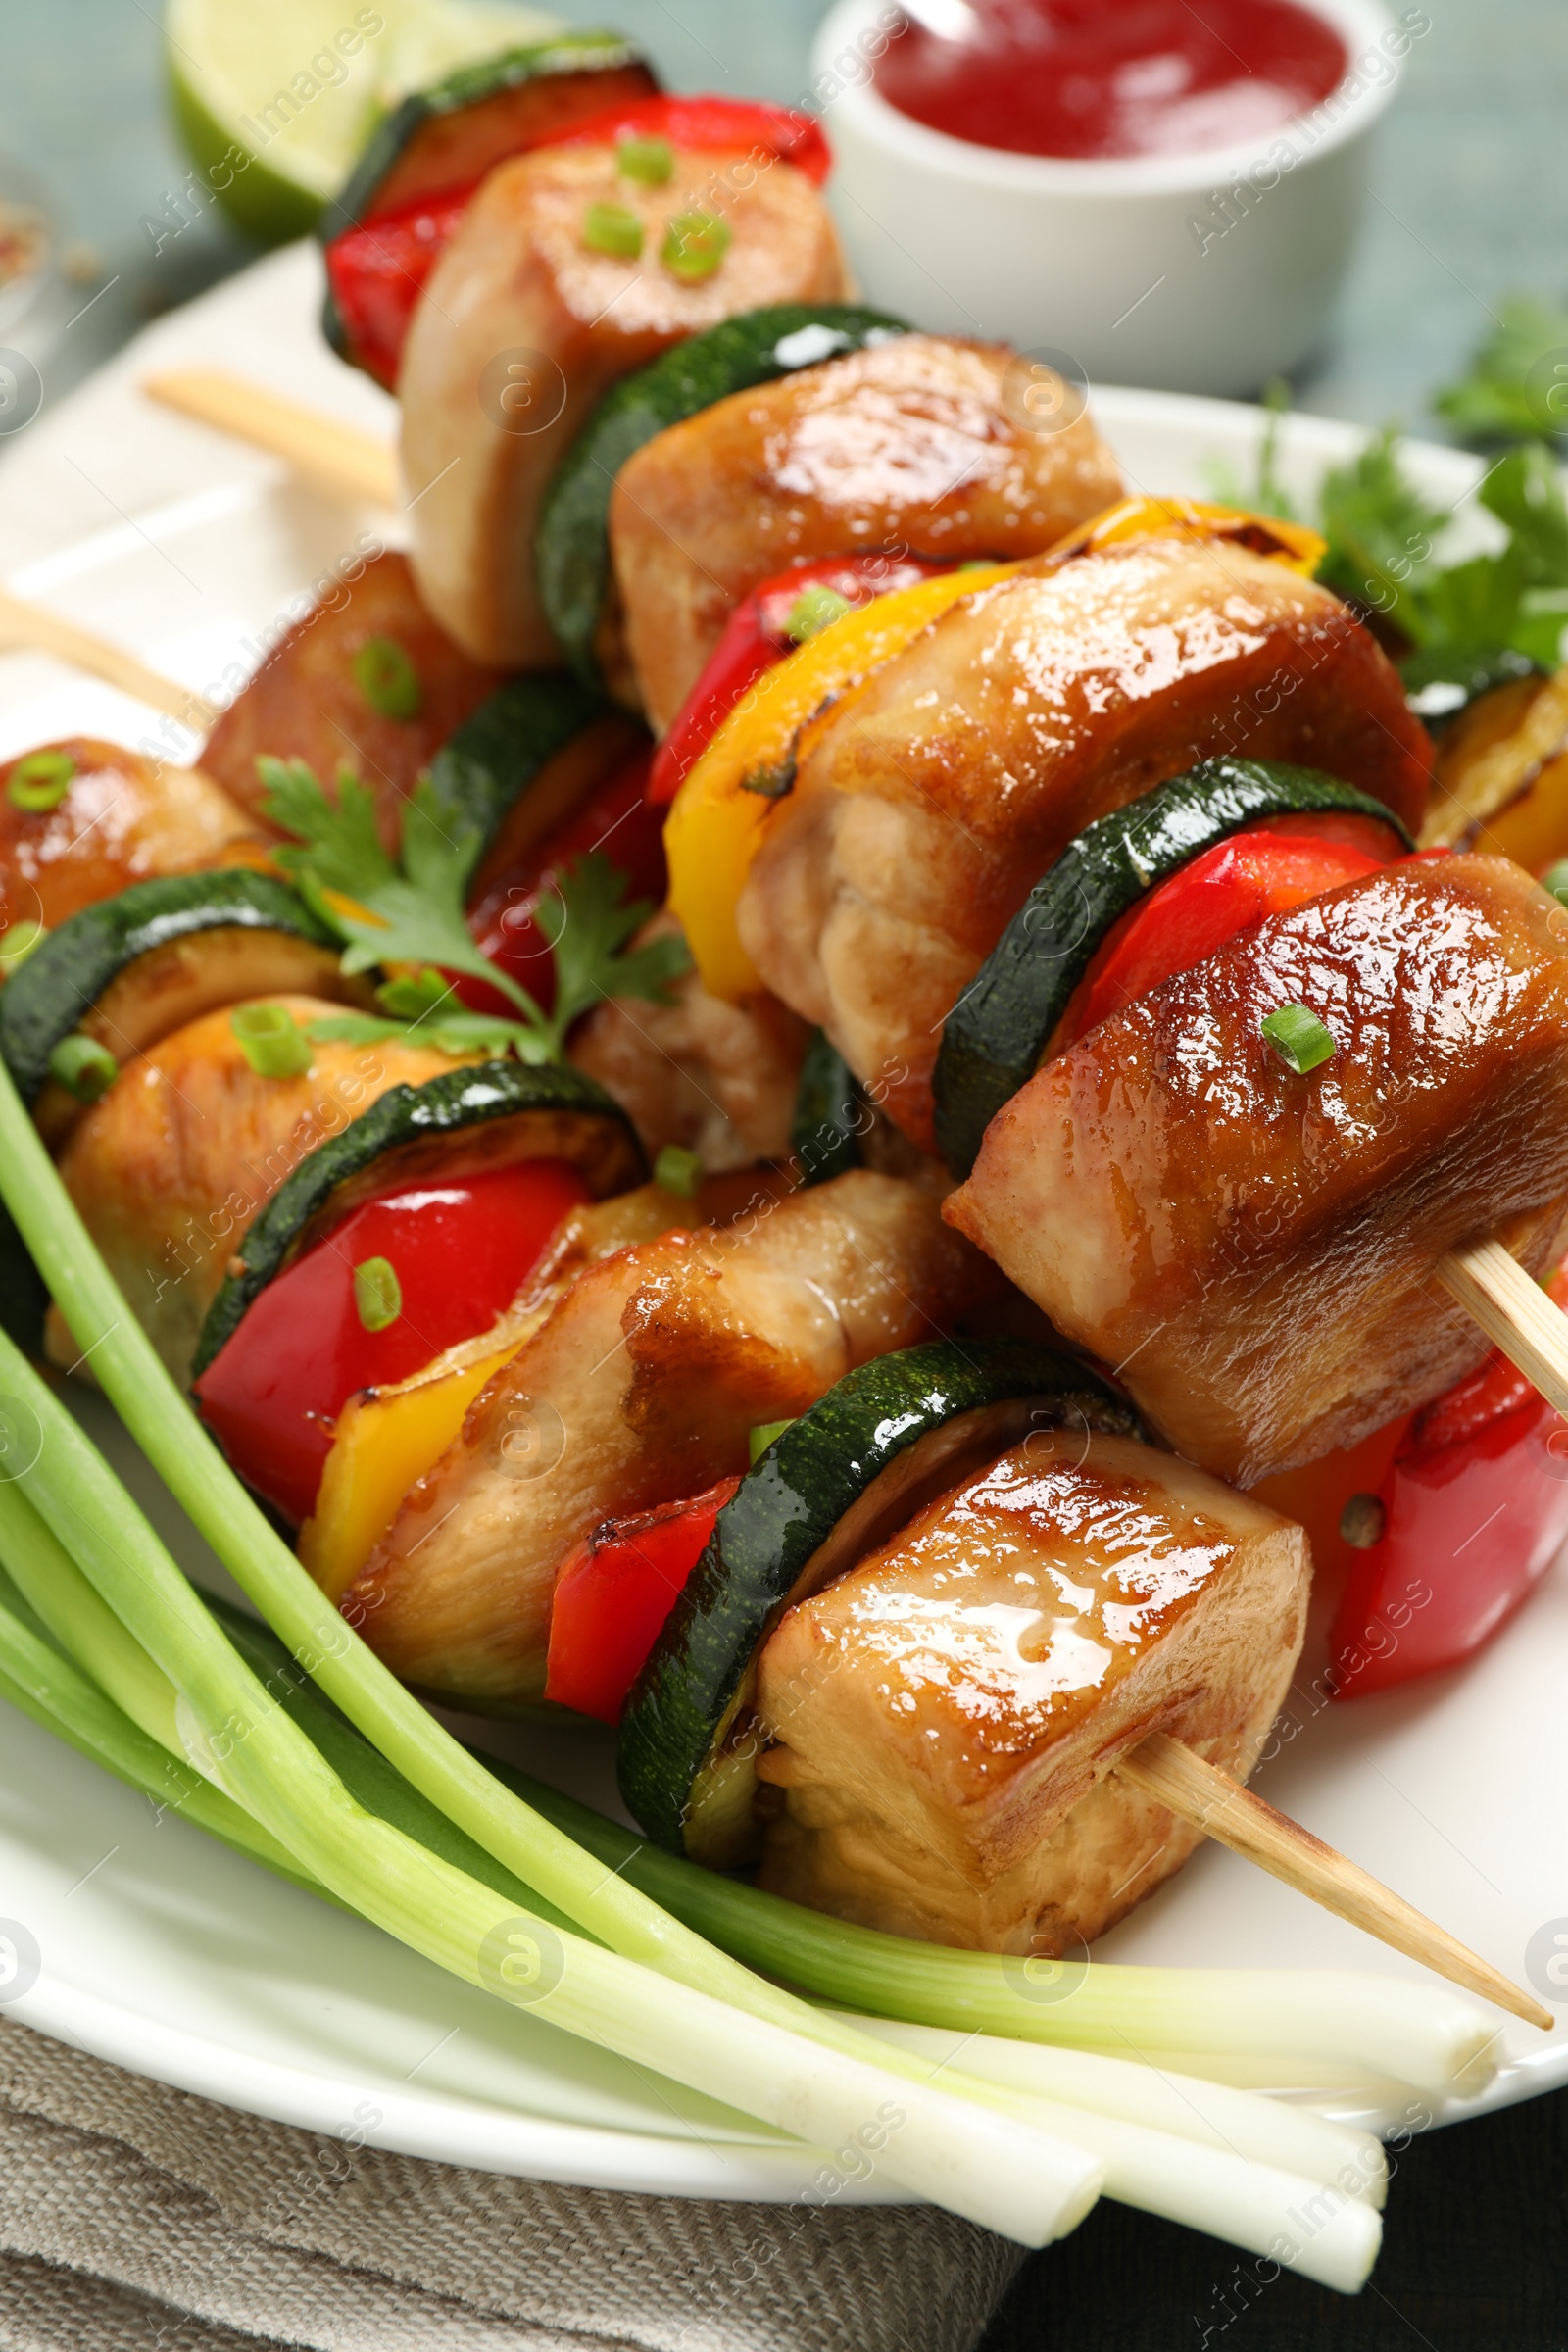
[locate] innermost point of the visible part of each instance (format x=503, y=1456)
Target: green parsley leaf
x=1381, y=532
x=587, y=921
x=1516, y=386
x=413, y=912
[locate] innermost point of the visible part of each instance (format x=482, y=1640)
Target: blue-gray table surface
x=1470, y=201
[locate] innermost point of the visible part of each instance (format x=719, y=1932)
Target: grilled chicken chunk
x=1252, y=1248
x=305, y=702
x=521, y=329
x=719, y=1079
x=929, y=801
x=172, y=1166
x=121, y=819
x=944, y=1715
x=921, y=443
x=644, y=1384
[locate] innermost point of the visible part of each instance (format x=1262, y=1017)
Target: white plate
x=168, y=1954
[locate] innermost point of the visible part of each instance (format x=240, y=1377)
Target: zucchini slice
x=133, y=968
x=998, y=1031
x=482, y=771
x=486, y=1115
x=451, y=135
x=1438, y=686
x=830, y=1113
x=573, y=544
x=836, y=1484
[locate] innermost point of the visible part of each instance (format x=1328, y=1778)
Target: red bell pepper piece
x=697, y=121
x=755, y=637
x=459, y=1252
x=1474, y=1511
x=613, y=1594
x=379, y=270
x=616, y=819
x=1225, y=890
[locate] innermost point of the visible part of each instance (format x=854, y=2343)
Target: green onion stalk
x=966, y=2146
x=1243, y=2167
x=1420, y=2035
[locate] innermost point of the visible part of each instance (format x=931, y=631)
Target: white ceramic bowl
x=1198, y=274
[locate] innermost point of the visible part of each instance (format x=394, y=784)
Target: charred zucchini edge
x=572, y=541
x=68, y=971
x=688, y=1700
x=998, y=1031
x=607, y=1149
x=488, y=763
x=564, y=53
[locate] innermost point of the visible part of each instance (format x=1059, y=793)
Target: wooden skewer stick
x=1219, y=1806
x=1513, y=1311
x=337, y=457
x=32, y=626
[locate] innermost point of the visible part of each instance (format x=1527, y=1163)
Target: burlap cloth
x=134, y=2217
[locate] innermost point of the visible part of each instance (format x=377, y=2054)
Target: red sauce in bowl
x=1100, y=79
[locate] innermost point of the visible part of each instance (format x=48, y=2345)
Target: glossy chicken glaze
x=644, y=1384
x=923, y=443
x=305, y=704
x=1254, y=1247
x=929, y=801
x=517, y=282
x=122, y=820
x=945, y=1714
x=172, y=1166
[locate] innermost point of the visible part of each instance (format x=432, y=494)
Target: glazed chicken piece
x=1252, y=1247
x=306, y=703
x=522, y=328
x=921, y=443
x=643, y=1384
x=927, y=802
x=719, y=1079
x=945, y=1716
x=121, y=819
x=175, y=1162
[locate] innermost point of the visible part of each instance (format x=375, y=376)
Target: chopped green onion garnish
x=814, y=610
x=1556, y=879
x=677, y=1170
x=377, y=1294
x=410, y=995
x=388, y=679
x=694, y=243
x=41, y=781
x=649, y=161
x=612, y=228
x=270, y=1040
x=762, y=1437
x=18, y=944
x=1299, y=1038
x=83, y=1067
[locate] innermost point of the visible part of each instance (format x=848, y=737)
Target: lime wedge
x=275, y=103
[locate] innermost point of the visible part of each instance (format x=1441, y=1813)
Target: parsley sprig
x=1385, y=543
x=409, y=911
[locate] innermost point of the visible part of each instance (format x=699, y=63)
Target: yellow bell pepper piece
x=721, y=812
x=1289, y=543
x=716, y=827
x=385, y=1439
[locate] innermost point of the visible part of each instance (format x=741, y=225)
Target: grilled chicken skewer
x=1255, y=1246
